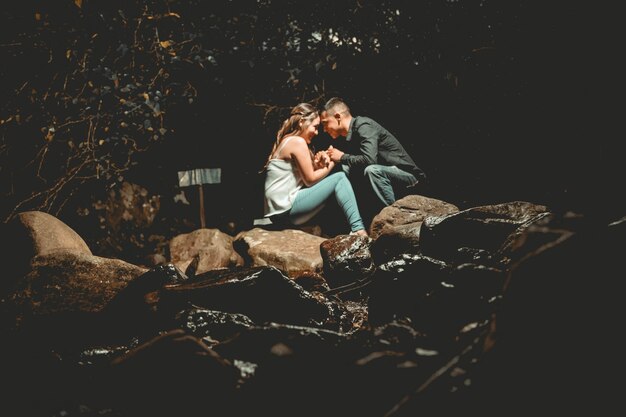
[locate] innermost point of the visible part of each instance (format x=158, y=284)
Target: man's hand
x=334, y=154
x=321, y=160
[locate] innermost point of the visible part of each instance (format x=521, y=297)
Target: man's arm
x=368, y=147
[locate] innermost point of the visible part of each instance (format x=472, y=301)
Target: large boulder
x=44, y=234
x=291, y=251
x=31, y=234
x=408, y=211
x=261, y=293
x=477, y=234
x=213, y=248
x=396, y=229
x=66, y=284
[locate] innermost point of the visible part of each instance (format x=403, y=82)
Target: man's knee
x=372, y=171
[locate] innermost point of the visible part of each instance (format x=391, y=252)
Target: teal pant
x=309, y=201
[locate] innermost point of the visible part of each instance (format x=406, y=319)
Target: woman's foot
x=361, y=232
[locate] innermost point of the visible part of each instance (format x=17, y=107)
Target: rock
x=312, y=281
x=172, y=374
x=132, y=310
x=291, y=251
x=409, y=210
x=213, y=248
x=347, y=258
x=66, y=283
x=399, y=287
x=261, y=293
x=34, y=233
x=212, y=324
x=484, y=230
x=396, y=229
x=395, y=241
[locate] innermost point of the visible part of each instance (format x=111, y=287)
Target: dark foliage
x=496, y=101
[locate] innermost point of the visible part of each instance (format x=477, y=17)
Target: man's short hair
x=336, y=105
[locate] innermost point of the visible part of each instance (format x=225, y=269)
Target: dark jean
x=385, y=178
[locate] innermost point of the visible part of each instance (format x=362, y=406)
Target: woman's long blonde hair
x=304, y=112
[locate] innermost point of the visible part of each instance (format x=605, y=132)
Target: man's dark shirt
x=369, y=143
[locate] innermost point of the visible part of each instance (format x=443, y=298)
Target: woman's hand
x=321, y=160
x=312, y=169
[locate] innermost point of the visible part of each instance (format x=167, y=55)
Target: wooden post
x=199, y=177
x=201, y=197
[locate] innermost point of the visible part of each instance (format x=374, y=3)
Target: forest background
x=102, y=103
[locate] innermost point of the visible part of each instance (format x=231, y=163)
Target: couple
x=298, y=183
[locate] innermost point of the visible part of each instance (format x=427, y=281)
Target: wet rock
x=216, y=325
x=396, y=229
x=396, y=333
x=347, y=316
x=101, y=355
x=462, y=303
x=262, y=293
x=399, y=240
x=300, y=370
x=134, y=309
x=257, y=344
x=172, y=374
x=545, y=231
x=347, y=258
x=476, y=280
x=486, y=228
x=312, y=281
x=399, y=286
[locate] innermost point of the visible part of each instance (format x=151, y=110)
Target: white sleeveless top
x=282, y=182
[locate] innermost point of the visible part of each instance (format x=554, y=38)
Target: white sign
x=200, y=176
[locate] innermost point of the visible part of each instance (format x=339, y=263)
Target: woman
x=298, y=184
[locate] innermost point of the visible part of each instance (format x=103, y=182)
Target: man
x=370, y=149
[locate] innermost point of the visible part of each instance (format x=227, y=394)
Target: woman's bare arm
x=299, y=152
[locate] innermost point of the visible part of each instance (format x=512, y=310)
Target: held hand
x=321, y=160
x=325, y=158
x=335, y=154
